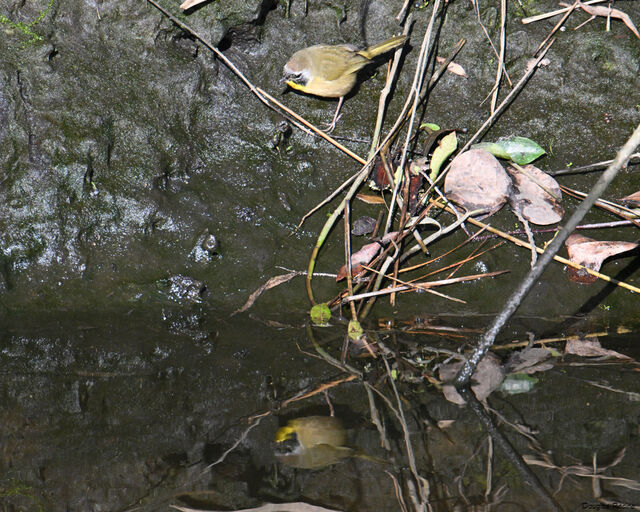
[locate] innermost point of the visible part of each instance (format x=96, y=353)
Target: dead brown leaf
x=632, y=199
x=591, y=253
x=365, y=256
x=369, y=199
x=529, y=360
x=590, y=348
x=606, y=12
x=532, y=62
x=271, y=283
x=532, y=195
x=487, y=378
x=452, y=67
x=477, y=181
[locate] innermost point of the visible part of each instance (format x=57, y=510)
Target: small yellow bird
x=314, y=442
x=331, y=71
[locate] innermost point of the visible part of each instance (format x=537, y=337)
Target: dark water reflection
x=126, y=412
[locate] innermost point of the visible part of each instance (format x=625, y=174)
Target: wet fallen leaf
x=591, y=253
x=415, y=186
x=632, y=199
x=487, y=378
x=477, y=181
x=529, y=360
x=363, y=226
x=532, y=62
x=271, y=283
x=452, y=67
x=369, y=199
x=364, y=256
x=531, y=195
x=378, y=178
x=590, y=348
x=520, y=150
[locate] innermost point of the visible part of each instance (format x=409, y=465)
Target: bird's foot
x=329, y=127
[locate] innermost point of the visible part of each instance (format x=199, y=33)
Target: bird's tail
x=384, y=46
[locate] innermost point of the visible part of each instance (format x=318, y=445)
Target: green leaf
x=432, y=126
x=447, y=145
x=355, y=330
x=517, y=149
x=320, y=314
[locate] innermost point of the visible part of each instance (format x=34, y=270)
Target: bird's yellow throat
x=297, y=87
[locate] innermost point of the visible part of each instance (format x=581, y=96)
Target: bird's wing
x=345, y=61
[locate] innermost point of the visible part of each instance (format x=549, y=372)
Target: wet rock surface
x=125, y=139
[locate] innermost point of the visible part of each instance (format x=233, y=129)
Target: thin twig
x=384, y=94
x=416, y=87
x=551, y=14
x=503, y=44
x=423, y=286
x=254, y=423
x=598, y=166
x=527, y=230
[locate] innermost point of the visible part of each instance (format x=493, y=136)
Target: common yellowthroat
x=331, y=71
x=315, y=441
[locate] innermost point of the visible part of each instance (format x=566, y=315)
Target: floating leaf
x=590, y=348
x=447, y=145
x=355, y=330
x=532, y=195
x=528, y=361
x=518, y=149
x=320, y=314
x=378, y=178
x=477, y=181
x=271, y=283
x=591, y=253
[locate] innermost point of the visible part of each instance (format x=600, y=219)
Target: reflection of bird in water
x=331, y=71
x=314, y=442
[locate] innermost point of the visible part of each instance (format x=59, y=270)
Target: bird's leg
x=331, y=126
